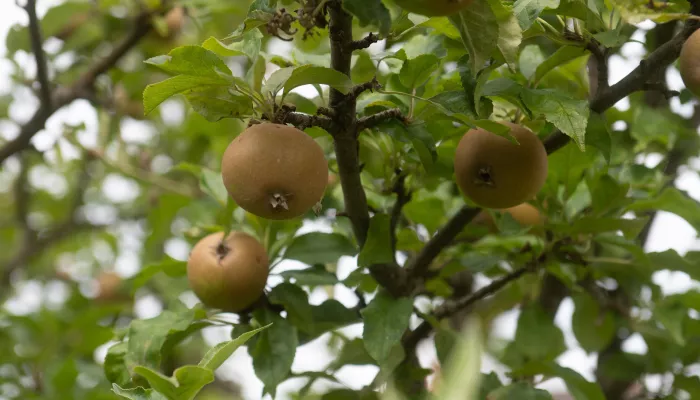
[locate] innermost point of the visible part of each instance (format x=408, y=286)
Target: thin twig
x=37, y=41
x=449, y=308
x=365, y=42
x=303, y=121
x=357, y=90
x=376, y=119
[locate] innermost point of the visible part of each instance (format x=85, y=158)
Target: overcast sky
x=669, y=232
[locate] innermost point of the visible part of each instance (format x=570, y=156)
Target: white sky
x=669, y=232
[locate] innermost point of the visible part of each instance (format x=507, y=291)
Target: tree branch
x=79, y=89
x=449, y=308
x=37, y=41
x=364, y=42
x=600, y=61
x=442, y=239
x=661, y=88
x=303, y=121
x=345, y=132
x=372, y=85
x=636, y=80
x=376, y=119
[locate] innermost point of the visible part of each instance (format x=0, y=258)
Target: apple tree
x=285, y=170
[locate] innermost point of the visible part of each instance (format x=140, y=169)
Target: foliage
x=134, y=177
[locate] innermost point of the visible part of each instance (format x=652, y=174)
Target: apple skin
x=275, y=171
x=231, y=281
x=496, y=173
x=689, y=63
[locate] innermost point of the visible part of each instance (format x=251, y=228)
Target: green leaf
x=630, y=227
x=274, y=350
x=456, y=102
x=506, y=89
x=147, y=337
x=578, y=386
x=377, y=248
x=370, y=12
x=276, y=81
x=316, y=275
x=169, y=266
x=527, y=11
x=489, y=383
x=479, y=30
x=478, y=106
x=536, y=337
x=594, y=327
x=296, y=303
x=115, y=364
x=319, y=248
x=194, y=61
x=428, y=212
x=520, y=391
x=415, y=72
x=311, y=74
x=567, y=166
x=191, y=379
x=265, y=6
x=218, y=354
x=62, y=376
x=215, y=103
x=674, y=201
x=161, y=383
x=156, y=93
x=248, y=45
x=138, y=393
x=510, y=34
x=598, y=135
x=672, y=316
x=530, y=57
x=636, y=11
x=353, y=353
x=386, y=318
x=330, y=315
x=568, y=114
x=184, y=385
x=415, y=133
x=613, y=38
x=562, y=56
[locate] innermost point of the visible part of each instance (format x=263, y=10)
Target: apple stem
x=484, y=177
x=222, y=249
x=278, y=201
